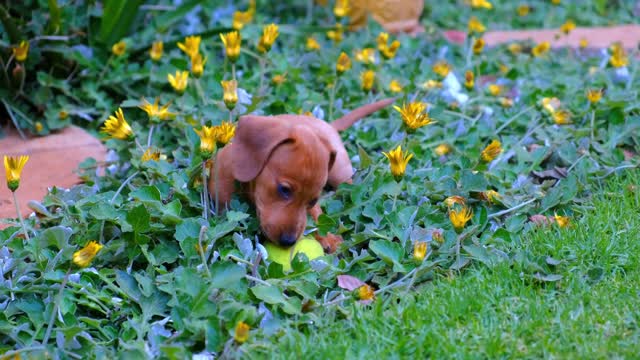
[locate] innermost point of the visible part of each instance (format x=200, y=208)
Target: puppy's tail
x=346, y=121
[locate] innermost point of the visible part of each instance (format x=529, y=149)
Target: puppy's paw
x=330, y=242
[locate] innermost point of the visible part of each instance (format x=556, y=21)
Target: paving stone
x=598, y=37
x=53, y=161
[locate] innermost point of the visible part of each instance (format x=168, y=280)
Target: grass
x=494, y=312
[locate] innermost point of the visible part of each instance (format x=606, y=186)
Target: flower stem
x=56, y=305
x=262, y=70
x=593, y=124
x=215, y=182
x=203, y=233
x=104, y=69
x=332, y=97
x=124, y=183
x=24, y=227
x=150, y=136
x=233, y=70
x=205, y=190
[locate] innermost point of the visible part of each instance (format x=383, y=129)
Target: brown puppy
x=282, y=164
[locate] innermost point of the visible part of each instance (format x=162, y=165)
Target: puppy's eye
x=313, y=202
x=284, y=191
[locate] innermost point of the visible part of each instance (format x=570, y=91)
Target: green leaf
x=269, y=294
x=226, y=275
x=365, y=159
x=390, y=252
x=189, y=228
x=117, y=17
x=325, y=224
x=128, y=284
x=147, y=194
x=139, y=218
x=479, y=253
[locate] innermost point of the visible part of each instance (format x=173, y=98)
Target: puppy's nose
x=287, y=240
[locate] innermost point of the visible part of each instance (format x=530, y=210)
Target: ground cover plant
x=485, y=145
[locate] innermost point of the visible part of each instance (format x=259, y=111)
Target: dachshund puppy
x=281, y=164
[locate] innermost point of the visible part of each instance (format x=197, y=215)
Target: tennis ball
x=306, y=244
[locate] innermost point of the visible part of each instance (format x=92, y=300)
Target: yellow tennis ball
x=306, y=244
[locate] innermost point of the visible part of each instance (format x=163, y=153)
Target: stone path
x=597, y=37
x=53, y=161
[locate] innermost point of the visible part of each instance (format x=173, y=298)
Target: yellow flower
x=491, y=151
x=84, y=256
x=514, y=48
x=366, y=56
x=523, y=10
x=21, y=51
x=594, y=95
x=563, y=221
x=269, y=36
x=39, y=127
x=337, y=34
x=382, y=39
x=151, y=154
x=494, y=89
x=469, y=79
x=555, y=2
x=155, y=111
x=208, y=137
x=341, y=9
x=550, y=104
x=279, y=79
x=492, y=196
x=241, y=333
x=312, y=44
x=63, y=115
x=197, y=65
x=230, y=93
x=459, y=217
x=441, y=68
x=481, y=4
x=619, y=56
x=414, y=115
x=583, y=43
x=398, y=161
x=475, y=26
x=395, y=86
x=478, y=45
x=568, y=26
x=367, y=78
x=442, y=149
x=156, y=50
x=179, y=81
x=240, y=18
x=387, y=51
x=13, y=167
x=117, y=127
x=343, y=64
x=191, y=45
x=561, y=117
x=506, y=102
x=119, y=48
x=431, y=84
x=365, y=292
x=454, y=200
x=224, y=133
x=541, y=49
x=503, y=68
x=419, y=250
x=232, y=42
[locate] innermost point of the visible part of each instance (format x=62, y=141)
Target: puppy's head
x=286, y=166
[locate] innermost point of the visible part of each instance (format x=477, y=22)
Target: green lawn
x=493, y=312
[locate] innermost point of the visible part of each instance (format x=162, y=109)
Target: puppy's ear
x=330, y=149
x=255, y=139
